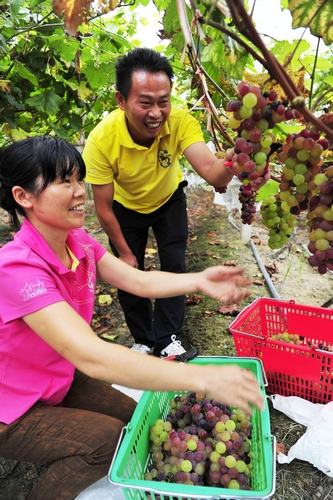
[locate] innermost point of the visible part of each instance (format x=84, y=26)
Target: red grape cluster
x=202, y=442
x=320, y=221
x=247, y=199
x=307, y=184
x=254, y=114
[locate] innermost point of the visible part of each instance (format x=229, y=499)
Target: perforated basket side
x=132, y=457
x=305, y=370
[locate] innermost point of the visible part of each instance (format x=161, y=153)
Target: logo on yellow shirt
x=164, y=158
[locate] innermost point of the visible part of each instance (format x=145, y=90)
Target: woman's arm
x=64, y=330
x=222, y=283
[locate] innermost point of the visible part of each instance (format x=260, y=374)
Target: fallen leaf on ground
x=231, y=309
x=211, y=234
x=230, y=263
x=101, y=329
x=105, y=299
x=208, y=313
x=107, y=336
x=150, y=251
x=271, y=268
x=281, y=448
x=193, y=299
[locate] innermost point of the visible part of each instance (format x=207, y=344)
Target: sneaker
x=144, y=349
x=175, y=348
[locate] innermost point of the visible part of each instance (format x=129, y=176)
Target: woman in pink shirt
x=55, y=406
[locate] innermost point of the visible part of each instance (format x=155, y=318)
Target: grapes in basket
x=201, y=442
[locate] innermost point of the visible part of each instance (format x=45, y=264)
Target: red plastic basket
x=304, y=370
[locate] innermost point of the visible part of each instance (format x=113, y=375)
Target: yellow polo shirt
x=144, y=178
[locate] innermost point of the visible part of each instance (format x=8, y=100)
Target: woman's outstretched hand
x=224, y=284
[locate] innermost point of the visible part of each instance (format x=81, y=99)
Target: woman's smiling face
x=60, y=205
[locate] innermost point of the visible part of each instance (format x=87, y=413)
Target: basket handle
x=121, y=437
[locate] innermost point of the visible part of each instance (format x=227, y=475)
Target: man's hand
x=129, y=259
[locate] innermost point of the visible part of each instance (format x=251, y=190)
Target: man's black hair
x=140, y=59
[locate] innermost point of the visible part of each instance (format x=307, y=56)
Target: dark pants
x=78, y=437
x=169, y=224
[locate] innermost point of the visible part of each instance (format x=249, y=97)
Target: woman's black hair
x=33, y=164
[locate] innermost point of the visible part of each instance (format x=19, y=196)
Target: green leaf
x=84, y=91
x=329, y=80
x=270, y=188
x=75, y=122
x=15, y=6
x=3, y=45
x=96, y=79
x=47, y=102
x=64, y=47
x=25, y=73
x=13, y=102
x=314, y=14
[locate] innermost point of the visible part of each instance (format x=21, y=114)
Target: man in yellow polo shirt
x=132, y=159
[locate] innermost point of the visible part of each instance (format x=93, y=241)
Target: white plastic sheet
x=316, y=444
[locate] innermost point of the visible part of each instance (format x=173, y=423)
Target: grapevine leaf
x=315, y=15
x=47, y=101
x=3, y=45
x=75, y=12
x=270, y=188
x=25, y=73
x=84, y=91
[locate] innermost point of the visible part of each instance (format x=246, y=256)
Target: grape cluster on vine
x=254, y=114
x=307, y=185
x=202, y=442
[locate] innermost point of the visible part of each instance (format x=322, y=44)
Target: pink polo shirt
x=32, y=277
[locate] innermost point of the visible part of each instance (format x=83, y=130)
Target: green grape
x=214, y=456
x=250, y=100
x=230, y=461
x=262, y=125
x=298, y=179
x=233, y=123
x=322, y=244
x=260, y=158
x=303, y=155
x=220, y=447
x=266, y=141
x=291, y=163
x=301, y=168
x=246, y=112
x=319, y=179
x=186, y=466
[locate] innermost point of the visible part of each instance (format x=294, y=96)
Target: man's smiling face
x=147, y=107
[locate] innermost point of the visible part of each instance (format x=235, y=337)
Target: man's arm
x=103, y=197
x=206, y=164
x=212, y=169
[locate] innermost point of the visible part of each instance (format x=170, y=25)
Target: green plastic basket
x=132, y=455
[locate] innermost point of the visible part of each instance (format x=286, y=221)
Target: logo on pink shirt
x=31, y=291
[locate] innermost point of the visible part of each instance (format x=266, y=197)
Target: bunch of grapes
x=280, y=223
x=254, y=114
x=202, y=442
x=290, y=338
x=247, y=199
x=302, y=161
x=320, y=221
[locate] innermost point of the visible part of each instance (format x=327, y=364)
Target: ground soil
x=214, y=238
